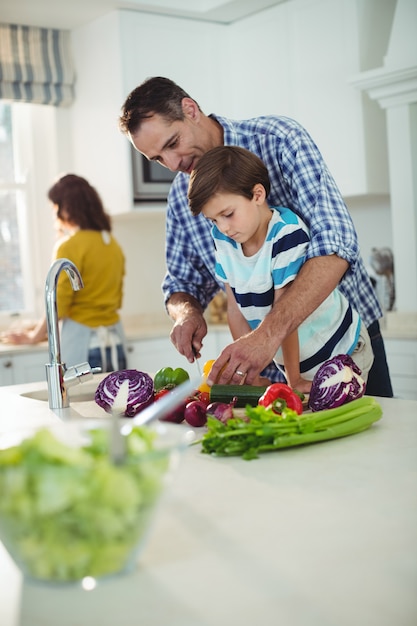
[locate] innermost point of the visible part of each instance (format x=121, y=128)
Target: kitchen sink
x=83, y=392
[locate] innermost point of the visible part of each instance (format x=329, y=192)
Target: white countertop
x=135, y=327
x=323, y=535
x=396, y=325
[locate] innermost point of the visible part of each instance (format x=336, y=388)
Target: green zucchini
x=245, y=394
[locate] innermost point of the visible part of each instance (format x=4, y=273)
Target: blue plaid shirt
x=301, y=181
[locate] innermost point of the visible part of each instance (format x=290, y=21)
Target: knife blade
x=117, y=441
x=197, y=362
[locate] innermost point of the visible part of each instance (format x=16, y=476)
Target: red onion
x=221, y=411
x=196, y=413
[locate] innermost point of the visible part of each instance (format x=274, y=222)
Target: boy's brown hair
x=226, y=169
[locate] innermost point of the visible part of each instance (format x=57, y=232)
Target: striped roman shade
x=36, y=65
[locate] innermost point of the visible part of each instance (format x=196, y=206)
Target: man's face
x=176, y=145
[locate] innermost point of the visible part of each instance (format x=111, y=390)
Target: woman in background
x=91, y=326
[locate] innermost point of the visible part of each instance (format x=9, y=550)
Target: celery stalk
x=266, y=431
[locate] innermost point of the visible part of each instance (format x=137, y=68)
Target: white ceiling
x=69, y=14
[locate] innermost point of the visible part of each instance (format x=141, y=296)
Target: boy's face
x=176, y=145
x=235, y=216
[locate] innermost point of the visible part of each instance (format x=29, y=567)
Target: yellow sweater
x=102, y=268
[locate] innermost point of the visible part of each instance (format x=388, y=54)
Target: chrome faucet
x=58, y=377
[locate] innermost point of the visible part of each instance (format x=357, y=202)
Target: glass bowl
x=67, y=511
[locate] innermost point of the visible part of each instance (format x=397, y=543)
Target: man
x=166, y=125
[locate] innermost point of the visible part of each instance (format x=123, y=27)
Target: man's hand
x=242, y=361
x=189, y=328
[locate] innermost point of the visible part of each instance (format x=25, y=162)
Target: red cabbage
x=336, y=382
x=141, y=391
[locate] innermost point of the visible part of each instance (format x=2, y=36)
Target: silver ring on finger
x=239, y=373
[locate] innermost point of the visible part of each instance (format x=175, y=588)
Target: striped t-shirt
x=333, y=328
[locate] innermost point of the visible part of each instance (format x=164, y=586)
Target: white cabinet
x=149, y=355
x=23, y=367
x=144, y=354
x=402, y=362
x=325, y=101
x=6, y=370
x=306, y=53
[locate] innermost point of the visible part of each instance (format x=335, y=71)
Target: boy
x=259, y=251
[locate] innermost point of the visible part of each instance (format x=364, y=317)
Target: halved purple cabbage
x=336, y=382
x=141, y=391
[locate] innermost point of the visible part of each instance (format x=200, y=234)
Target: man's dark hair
x=155, y=95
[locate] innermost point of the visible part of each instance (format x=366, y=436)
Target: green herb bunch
x=261, y=430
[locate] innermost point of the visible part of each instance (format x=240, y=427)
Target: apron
x=77, y=340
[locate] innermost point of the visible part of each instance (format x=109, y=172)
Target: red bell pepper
x=279, y=396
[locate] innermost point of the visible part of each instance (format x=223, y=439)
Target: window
x=36, y=89
x=28, y=164
x=35, y=147
x=13, y=227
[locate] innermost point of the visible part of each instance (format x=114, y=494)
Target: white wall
x=296, y=59
x=191, y=53
x=100, y=150
x=113, y=55
x=142, y=236
x=372, y=219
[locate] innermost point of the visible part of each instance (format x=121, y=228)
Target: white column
x=394, y=86
x=402, y=144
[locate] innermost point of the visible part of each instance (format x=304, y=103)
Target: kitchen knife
x=197, y=362
x=117, y=441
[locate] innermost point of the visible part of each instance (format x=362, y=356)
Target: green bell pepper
x=167, y=378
